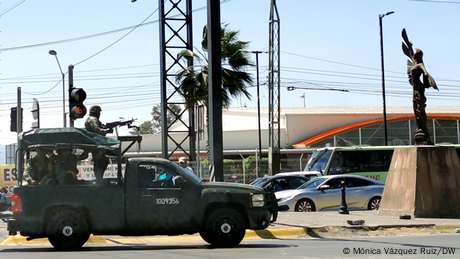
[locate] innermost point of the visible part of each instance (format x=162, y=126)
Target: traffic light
x=76, y=108
x=14, y=120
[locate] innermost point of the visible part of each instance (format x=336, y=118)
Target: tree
x=154, y=125
x=193, y=80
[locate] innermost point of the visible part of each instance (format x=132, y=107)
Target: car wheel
x=224, y=228
x=68, y=230
x=305, y=205
x=374, y=203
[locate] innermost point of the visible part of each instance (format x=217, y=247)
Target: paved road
x=294, y=225
x=431, y=246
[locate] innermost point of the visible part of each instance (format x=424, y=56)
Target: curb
x=18, y=240
x=277, y=233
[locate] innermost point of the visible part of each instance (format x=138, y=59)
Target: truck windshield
x=319, y=160
x=192, y=176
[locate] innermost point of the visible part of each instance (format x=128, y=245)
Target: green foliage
x=154, y=125
x=193, y=80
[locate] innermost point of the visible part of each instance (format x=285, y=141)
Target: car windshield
x=261, y=181
x=313, y=183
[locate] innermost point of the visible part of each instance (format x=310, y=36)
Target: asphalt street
x=421, y=246
x=294, y=225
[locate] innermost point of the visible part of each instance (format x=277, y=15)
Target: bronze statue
x=416, y=69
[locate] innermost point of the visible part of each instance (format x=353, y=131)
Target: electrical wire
x=12, y=7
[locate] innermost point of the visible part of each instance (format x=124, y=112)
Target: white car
x=325, y=193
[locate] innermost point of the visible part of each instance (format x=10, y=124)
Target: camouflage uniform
x=93, y=124
x=50, y=177
x=37, y=167
x=65, y=166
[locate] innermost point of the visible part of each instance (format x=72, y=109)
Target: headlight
x=258, y=200
x=285, y=198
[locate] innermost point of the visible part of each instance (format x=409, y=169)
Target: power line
x=434, y=1
x=12, y=7
x=96, y=34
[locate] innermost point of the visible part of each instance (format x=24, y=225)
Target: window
x=334, y=183
x=355, y=182
x=296, y=182
x=146, y=175
x=155, y=176
x=360, y=161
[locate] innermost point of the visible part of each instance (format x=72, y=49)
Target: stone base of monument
x=424, y=182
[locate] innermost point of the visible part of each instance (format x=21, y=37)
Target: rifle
x=111, y=125
x=114, y=124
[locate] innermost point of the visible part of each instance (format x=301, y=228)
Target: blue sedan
x=324, y=193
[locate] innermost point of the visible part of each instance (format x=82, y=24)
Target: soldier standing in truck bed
x=93, y=124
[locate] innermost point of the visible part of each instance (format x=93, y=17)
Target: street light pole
x=383, y=79
x=302, y=96
x=54, y=53
x=258, y=107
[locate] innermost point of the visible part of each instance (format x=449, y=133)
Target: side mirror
x=178, y=181
x=323, y=187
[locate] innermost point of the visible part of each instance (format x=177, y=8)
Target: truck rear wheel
x=67, y=230
x=224, y=228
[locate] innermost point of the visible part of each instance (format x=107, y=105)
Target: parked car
x=324, y=193
x=285, y=181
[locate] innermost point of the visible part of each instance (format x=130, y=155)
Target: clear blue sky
x=324, y=44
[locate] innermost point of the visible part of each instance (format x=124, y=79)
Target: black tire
x=305, y=205
x=68, y=230
x=224, y=228
x=374, y=203
x=205, y=237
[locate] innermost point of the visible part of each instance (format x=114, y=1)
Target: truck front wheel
x=67, y=230
x=224, y=228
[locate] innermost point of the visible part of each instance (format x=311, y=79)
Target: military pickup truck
x=153, y=196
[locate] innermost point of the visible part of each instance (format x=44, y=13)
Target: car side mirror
x=178, y=181
x=323, y=187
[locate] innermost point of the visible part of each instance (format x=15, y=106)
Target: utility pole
x=258, y=107
x=274, y=91
x=71, y=124
x=175, y=35
x=215, y=91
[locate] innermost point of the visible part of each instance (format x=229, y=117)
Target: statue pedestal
x=424, y=182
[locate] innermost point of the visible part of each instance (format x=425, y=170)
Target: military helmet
x=95, y=109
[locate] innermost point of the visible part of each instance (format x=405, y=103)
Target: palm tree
x=193, y=80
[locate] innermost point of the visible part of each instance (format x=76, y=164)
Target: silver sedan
x=325, y=193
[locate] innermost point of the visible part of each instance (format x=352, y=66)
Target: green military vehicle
x=153, y=196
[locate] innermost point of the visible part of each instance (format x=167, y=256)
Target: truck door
x=157, y=204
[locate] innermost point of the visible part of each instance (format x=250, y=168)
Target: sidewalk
x=292, y=225
x=334, y=224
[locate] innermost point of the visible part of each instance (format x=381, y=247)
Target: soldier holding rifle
x=93, y=124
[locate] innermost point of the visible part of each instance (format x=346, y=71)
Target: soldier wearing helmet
x=93, y=124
